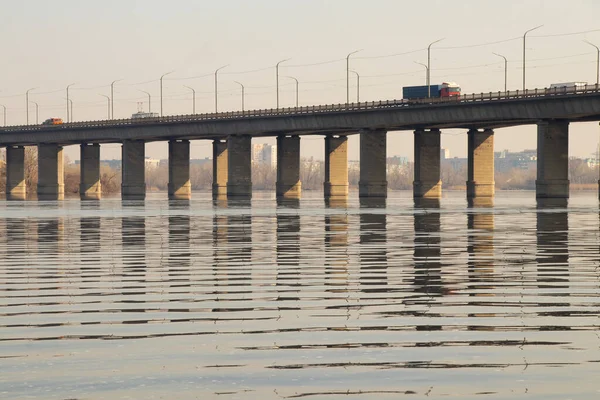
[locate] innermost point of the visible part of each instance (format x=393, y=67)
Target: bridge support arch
x=16, y=188
x=288, y=167
x=336, y=167
x=179, y=170
x=51, y=172
x=552, y=159
x=133, y=165
x=480, y=181
x=373, y=176
x=427, y=183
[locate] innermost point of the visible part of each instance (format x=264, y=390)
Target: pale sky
x=50, y=44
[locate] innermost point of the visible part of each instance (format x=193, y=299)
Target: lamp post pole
x=524, y=53
x=112, y=99
x=429, y=66
x=277, y=78
x=161, y=91
x=505, y=69
x=193, y=99
x=3, y=106
x=348, y=74
x=297, y=84
x=242, y=86
x=597, y=61
x=27, y=104
x=149, y=101
x=37, y=112
x=426, y=70
x=71, y=101
x=107, y=105
x=357, y=85
x=217, y=88
x=68, y=115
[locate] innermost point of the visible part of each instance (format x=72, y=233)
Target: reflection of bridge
x=232, y=132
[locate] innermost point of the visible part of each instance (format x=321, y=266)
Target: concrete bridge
x=231, y=132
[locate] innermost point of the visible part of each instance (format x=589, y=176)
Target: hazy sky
x=50, y=44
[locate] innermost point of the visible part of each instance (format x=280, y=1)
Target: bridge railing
x=315, y=109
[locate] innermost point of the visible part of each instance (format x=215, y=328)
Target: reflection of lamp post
x=193, y=99
x=112, y=99
x=27, y=104
x=505, y=69
x=217, y=87
x=242, y=86
x=149, y=101
x=3, y=106
x=524, y=37
x=597, y=61
x=277, y=78
x=426, y=70
x=429, y=66
x=107, y=105
x=37, y=112
x=357, y=86
x=161, y=91
x=68, y=86
x=348, y=75
x=291, y=77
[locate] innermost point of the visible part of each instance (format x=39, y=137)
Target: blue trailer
x=420, y=92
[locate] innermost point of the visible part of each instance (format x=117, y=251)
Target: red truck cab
x=450, y=89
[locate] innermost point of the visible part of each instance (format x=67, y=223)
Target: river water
x=195, y=300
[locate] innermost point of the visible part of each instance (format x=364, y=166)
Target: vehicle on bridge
x=446, y=89
x=53, y=121
x=141, y=114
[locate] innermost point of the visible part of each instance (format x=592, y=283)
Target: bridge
x=231, y=132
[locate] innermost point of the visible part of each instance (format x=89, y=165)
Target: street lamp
x=505, y=69
x=107, y=105
x=112, y=99
x=217, y=88
x=429, y=66
x=161, y=91
x=597, y=61
x=68, y=86
x=149, y=101
x=3, y=106
x=37, y=112
x=291, y=77
x=524, y=38
x=27, y=104
x=193, y=99
x=426, y=69
x=277, y=78
x=357, y=86
x=71, y=101
x=348, y=74
x=242, y=86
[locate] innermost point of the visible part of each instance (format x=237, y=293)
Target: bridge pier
x=553, y=159
x=288, y=167
x=480, y=181
x=336, y=166
x=239, y=166
x=16, y=188
x=373, y=176
x=51, y=172
x=220, y=173
x=133, y=168
x=89, y=184
x=179, y=170
x=427, y=183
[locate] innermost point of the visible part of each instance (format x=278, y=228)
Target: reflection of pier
x=288, y=245
x=336, y=243
x=179, y=242
x=552, y=243
x=373, y=245
x=133, y=239
x=427, y=250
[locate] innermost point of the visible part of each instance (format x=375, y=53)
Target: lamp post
x=68, y=86
x=348, y=74
x=277, y=78
x=505, y=69
x=112, y=99
x=37, y=112
x=71, y=101
x=426, y=69
x=27, y=104
x=107, y=105
x=429, y=66
x=597, y=61
x=161, y=91
x=149, y=101
x=3, y=106
x=524, y=38
x=242, y=86
x=193, y=99
x=357, y=85
x=217, y=88
x=297, y=84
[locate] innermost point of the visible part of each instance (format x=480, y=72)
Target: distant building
x=264, y=154
x=114, y=164
x=200, y=161
x=505, y=160
x=151, y=163
x=397, y=160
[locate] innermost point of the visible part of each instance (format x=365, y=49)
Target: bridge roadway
x=479, y=114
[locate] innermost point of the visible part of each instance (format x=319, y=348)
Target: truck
x=446, y=89
x=568, y=85
x=141, y=114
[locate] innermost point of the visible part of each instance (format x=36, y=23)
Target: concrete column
x=89, y=185
x=553, y=160
x=239, y=166
x=336, y=166
x=427, y=181
x=288, y=167
x=179, y=170
x=133, y=168
x=15, y=173
x=373, y=177
x=480, y=181
x=220, y=172
x=51, y=172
